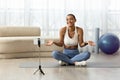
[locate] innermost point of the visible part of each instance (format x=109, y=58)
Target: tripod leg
x=36, y=71
x=41, y=70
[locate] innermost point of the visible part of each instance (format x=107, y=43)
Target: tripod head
x=39, y=43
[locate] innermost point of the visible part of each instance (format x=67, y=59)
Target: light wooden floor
x=10, y=70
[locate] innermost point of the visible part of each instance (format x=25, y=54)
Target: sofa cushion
x=16, y=44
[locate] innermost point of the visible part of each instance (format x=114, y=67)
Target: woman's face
x=70, y=20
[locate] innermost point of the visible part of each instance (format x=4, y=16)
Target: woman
x=70, y=37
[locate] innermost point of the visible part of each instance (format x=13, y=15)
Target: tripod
x=39, y=68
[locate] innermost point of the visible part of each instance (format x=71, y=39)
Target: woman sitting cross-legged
x=70, y=37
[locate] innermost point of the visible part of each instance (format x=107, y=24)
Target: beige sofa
x=18, y=42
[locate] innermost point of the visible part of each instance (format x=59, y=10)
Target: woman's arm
x=80, y=37
x=81, y=41
x=59, y=43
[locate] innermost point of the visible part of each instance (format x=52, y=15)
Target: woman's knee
x=88, y=54
x=55, y=53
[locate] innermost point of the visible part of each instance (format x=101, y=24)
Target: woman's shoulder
x=63, y=29
x=79, y=28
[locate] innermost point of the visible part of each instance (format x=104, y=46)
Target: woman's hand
x=91, y=43
x=49, y=43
